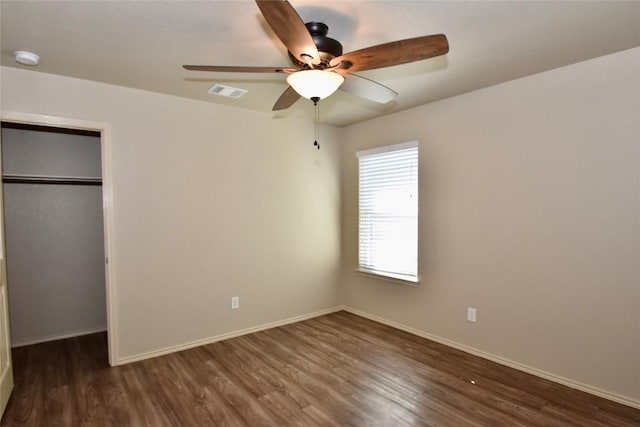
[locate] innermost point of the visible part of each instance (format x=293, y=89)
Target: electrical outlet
x=235, y=302
x=471, y=314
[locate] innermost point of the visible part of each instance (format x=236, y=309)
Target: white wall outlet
x=471, y=314
x=235, y=302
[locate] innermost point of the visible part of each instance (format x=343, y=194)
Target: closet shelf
x=42, y=179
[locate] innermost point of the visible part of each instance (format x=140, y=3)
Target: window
x=388, y=208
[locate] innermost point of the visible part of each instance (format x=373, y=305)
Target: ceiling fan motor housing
x=328, y=48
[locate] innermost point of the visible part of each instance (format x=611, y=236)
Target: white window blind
x=388, y=209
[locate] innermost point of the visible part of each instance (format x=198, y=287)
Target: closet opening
x=54, y=233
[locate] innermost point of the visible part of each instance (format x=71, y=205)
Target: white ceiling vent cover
x=228, y=91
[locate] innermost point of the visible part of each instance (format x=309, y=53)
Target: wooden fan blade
x=286, y=23
x=368, y=89
x=393, y=53
x=286, y=100
x=238, y=69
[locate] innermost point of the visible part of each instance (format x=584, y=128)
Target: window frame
x=404, y=279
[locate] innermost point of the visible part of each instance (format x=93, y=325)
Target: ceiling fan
x=320, y=67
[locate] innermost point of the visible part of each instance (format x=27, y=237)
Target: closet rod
x=37, y=179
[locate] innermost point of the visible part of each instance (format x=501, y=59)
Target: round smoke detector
x=27, y=58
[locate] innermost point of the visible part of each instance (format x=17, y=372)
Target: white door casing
x=107, y=207
x=6, y=367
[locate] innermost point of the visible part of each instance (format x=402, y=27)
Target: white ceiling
x=143, y=44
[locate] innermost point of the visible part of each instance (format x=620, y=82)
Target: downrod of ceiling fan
x=327, y=45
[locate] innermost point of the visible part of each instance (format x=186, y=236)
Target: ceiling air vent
x=228, y=91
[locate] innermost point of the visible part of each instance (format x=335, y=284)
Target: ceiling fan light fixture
x=315, y=83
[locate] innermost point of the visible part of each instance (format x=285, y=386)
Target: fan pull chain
x=317, y=121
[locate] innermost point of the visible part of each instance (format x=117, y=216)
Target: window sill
x=389, y=277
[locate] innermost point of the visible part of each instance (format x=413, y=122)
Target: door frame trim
x=107, y=206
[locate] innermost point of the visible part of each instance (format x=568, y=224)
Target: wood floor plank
x=415, y=376
x=220, y=413
x=585, y=409
x=289, y=410
x=410, y=379
x=329, y=400
x=334, y=370
x=286, y=385
x=401, y=388
x=380, y=393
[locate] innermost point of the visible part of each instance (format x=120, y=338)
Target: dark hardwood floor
x=334, y=370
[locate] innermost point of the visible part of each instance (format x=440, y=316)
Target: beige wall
x=208, y=202
x=529, y=212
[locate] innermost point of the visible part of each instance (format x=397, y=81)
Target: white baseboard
x=506, y=362
x=205, y=341
x=57, y=337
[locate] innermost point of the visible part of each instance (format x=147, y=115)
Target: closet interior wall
x=54, y=232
